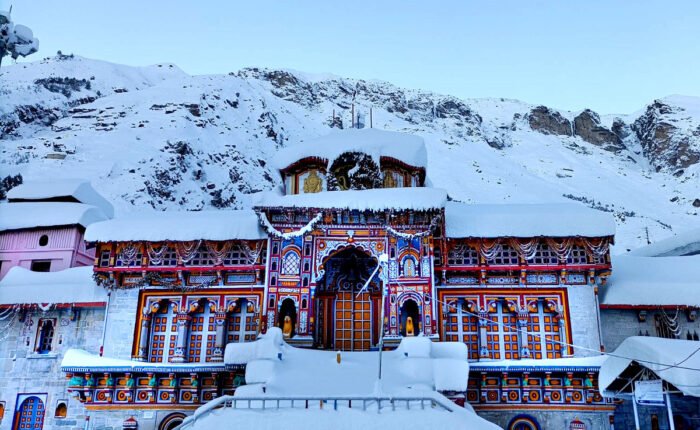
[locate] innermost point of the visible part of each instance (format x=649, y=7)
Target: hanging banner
x=649, y=392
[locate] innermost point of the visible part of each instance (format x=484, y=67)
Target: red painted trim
x=180, y=268
x=62, y=305
x=519, y=268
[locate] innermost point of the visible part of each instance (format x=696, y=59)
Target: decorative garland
x=292, y=234
x=156, y=257
x=409, y=236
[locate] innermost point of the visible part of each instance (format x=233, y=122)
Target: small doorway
x=288, y=317
x=410, y=318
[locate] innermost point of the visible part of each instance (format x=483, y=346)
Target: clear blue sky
x=613, y=56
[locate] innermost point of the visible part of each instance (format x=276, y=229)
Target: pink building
x=42, y=226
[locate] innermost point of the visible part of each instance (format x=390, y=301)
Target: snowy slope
x=156, y=138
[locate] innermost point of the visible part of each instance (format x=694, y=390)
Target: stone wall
x=121, y=319
x=23, y=371
x=619, y=324
x=584, y=321
x=148, y=419
x=552, y=419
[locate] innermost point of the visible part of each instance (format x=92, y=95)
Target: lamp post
x=383, y=270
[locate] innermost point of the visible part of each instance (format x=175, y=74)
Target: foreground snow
x=275, y=370
x=342, y=419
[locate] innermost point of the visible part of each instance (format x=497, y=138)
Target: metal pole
x=384, y=278
x=636, y=416
x=381, y=331
x=671, y=424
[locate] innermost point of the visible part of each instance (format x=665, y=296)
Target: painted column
x=483, y=348
x=566, y=350
x=144, y=333
x=523, y=338
x=183, y=325
x=220, y=339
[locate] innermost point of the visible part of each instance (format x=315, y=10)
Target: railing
x=365, y=403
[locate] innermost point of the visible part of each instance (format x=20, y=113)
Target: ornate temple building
x=518, y=284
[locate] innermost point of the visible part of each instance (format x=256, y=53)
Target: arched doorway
x=171, y=421
x=410, y=309
x=288, y=309
x=347, y=316
x=30, y=414
x=523, y=422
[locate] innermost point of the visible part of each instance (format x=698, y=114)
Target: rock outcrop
x=665, y=141
x=587, y=126
x=549, y=121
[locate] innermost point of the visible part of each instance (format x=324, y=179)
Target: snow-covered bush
x=15, y=40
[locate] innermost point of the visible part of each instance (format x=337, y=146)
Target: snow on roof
x=78, y=360
x=529, y=364
x=78, y=189
x=526, y=220
x=684, y=243
x=179, y=226
x=376, y=143
x=15, y=216
x=74, y=285
x=374, y=200
x=659, y=355
x=653, y=281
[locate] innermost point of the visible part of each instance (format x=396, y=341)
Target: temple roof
x=379, y=199
x=526, y=220
x=16, y=216
x=178, y=226
x=685, y=243
x=78, y=360
x=404, y=147
x=73, y=189
x=652, y=282
x=74, y=285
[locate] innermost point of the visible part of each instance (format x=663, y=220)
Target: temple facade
x=518, y=284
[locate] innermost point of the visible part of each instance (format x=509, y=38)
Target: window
x=235, y=257
x=43, y=240
x=45, y=336
x=163, y=334
x=502, y=333
x=202, y=258
x=61, y=410
x=544, y=336
x=409, y=267
x=544, y=255
x=506, y=256
x=577, y=255
x=463, y=255
x=202, y=334
x=168, y=258
x=461, y=326
x=41, y=266
x=127, y=261
x=241, y=323
x=104, y=258
x=290, y=263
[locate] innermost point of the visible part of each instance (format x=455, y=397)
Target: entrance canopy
x=675, y=361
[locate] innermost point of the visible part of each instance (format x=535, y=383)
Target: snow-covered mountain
x=154, y=137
